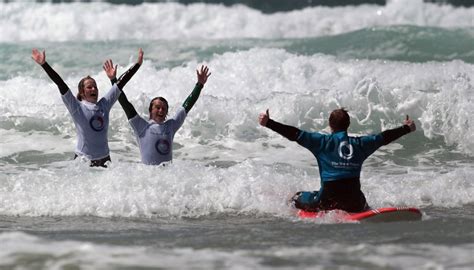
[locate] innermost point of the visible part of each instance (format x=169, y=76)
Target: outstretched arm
x=111, y=71
x=202, y=79
x=127, y=106
x=393, y=134
x=289, y=132
x=40, y=58
x=124, y=78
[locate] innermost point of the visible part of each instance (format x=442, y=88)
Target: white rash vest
x=92, y=122
x=156, y=140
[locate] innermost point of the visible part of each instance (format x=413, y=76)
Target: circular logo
x=97, y=123
x=345, y=150
x=163, y=146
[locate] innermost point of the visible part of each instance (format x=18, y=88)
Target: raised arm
x=127, y=106
x=202, y=76
x=111, y=71
x=289, y=132
x=40, y=58
x=393, y=134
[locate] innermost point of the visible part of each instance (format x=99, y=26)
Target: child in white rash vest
x=90, y=114
x=155, y=136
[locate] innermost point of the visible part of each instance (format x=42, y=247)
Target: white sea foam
x=299, y=90
x=226, y=162
x=189, y=189
x=102, y=21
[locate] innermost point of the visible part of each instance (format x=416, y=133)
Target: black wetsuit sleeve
x=393, y=134
x=193, y=97
x=54, y=76
x=123, y=80
x=289, y=132
x=123, y=100
x=127, y=106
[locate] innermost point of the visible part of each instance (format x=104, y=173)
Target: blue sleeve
x=371, y=143
x=312, y=141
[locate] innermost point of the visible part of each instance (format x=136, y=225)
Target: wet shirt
x=92, y=122
x=156, y=140
x=339, y=156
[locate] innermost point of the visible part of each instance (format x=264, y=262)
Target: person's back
x=339, y=155
x=340, y=158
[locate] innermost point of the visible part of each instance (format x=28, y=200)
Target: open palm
x=39, y=57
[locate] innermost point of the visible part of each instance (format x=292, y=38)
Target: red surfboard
x=386, y=214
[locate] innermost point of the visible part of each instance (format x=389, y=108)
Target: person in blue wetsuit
x=340, y=158
x=89, y=113
x=155, y=136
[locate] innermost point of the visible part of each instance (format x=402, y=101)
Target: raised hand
x=140, y=56
x=263, y=118
x=109, y=69
x=39, y=57
x=203, y=74
x=410, y=123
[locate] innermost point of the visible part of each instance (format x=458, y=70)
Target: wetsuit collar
x=339, y=131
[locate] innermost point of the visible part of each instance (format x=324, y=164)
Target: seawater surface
x=222, y=203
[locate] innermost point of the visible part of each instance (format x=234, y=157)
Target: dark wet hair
x=339, y=120
x=80, y=86
x=160, y=98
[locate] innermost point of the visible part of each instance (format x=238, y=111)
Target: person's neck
x=158, y=121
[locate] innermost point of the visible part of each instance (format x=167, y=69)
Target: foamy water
x=223, y=157
x=104, y=21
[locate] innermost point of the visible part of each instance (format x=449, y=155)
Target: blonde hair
x=80, y=86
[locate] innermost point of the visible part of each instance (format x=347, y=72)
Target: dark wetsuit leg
x=344, y=194
x=98, y=162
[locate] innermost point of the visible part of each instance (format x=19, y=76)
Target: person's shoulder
x=313, y=134
x=367, y=137
x=181, y=110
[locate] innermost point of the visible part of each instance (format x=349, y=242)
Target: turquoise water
x=223, y=201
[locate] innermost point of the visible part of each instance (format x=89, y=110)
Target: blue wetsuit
x=340, y=158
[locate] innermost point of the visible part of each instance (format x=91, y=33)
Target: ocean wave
x=399, y=43
x=174, y=21
x=187, y=189
x=302, y=90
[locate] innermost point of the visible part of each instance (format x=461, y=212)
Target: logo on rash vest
x=97, y=123
x=345, y=150
x=163, y=146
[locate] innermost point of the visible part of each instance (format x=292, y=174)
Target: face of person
x=159, y=110
x=91, y=93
